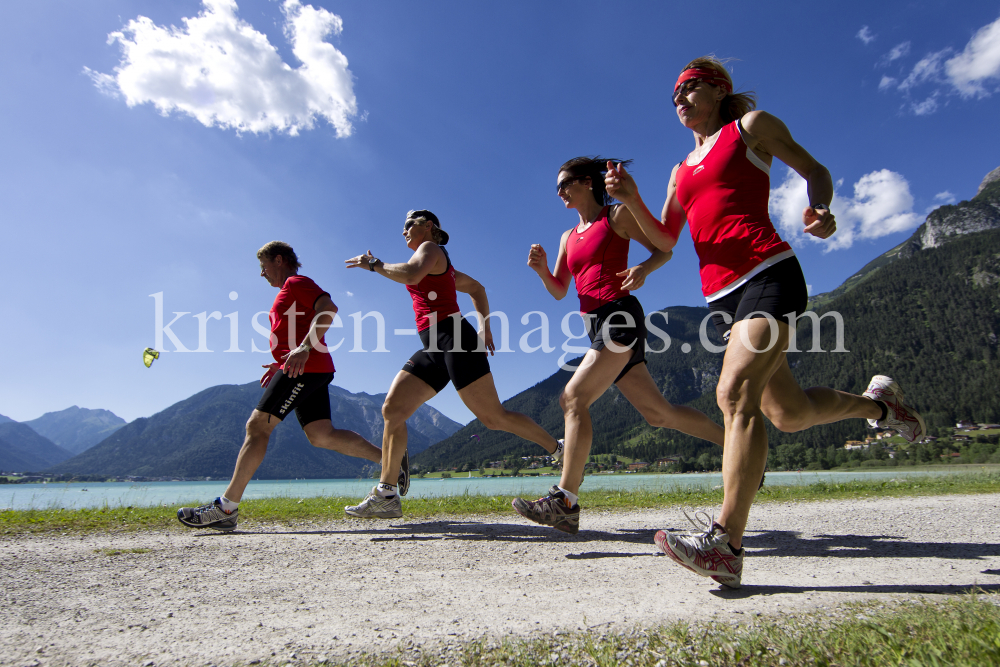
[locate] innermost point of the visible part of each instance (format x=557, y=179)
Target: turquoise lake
x=121, y=494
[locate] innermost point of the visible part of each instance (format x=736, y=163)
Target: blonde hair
x=734, y=105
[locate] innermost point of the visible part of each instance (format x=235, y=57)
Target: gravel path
x=198, y=598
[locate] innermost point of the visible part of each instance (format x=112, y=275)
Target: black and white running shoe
x=209, y=516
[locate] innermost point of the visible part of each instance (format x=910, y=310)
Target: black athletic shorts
x=613, y=314
x=777, y=291
x=462, y=366
x=307, y=395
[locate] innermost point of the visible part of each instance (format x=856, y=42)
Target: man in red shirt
x=297, y=380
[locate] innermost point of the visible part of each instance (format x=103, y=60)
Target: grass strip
x=324, y=509
x=964, y=630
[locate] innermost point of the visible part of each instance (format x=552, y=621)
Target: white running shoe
x=560, y=450
x=377, y=507
x=707, y=554
x=899, y=417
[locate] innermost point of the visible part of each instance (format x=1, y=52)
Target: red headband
x=706, y=74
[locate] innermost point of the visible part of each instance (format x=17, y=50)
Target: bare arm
x=767, y=134
x=426, y=259
x=295, y=360
x=475, y=290
x=625, y=224
x=558, y=283
x=663, y=232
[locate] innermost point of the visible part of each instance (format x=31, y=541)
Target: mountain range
x=926, y=312
x=201, y=436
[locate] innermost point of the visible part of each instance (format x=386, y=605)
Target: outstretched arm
x=408, y=273
x=766, y=133
x=625, y=224
x=558, y=283
x=475, y=290
x=663, y=232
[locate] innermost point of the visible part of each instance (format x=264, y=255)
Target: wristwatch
x=373, y=262
x=816, y=206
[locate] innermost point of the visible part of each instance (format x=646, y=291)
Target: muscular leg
x=595, y=374
x=481, y=398
x=640, y=390
x=321, y=433
x=408, y=392
x=791, y=409
x=259, y=428
x=745, y=374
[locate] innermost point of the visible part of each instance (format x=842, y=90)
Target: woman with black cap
x=453, y=352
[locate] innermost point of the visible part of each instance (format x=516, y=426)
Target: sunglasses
x=566, y=182
x=686, y=88
x=409, y=223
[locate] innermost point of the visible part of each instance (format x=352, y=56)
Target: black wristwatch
x=816, y=206
x=372, y=263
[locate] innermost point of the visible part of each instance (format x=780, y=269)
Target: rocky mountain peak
x=982, y=212
x=990, y=177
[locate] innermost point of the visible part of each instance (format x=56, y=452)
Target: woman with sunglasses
x=755, y=290
x=594, y=254
x=453, y=352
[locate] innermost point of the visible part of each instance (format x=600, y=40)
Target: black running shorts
x=777, y=291
x=462, y=366
x=611, y=322
x=307, y=395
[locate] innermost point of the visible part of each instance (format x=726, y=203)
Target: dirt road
x=197, y=598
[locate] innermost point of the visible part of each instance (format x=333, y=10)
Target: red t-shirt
x=595, y=257
x=291, y=316
x=725, y=199
x=435, y=293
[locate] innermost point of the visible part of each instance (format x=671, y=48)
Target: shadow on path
x=943, y=589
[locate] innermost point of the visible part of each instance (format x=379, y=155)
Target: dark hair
x=423, y=215
x=734, y=105
x=593, y=167
x=274, y=249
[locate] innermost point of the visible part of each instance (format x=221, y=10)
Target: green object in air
x=148, y=355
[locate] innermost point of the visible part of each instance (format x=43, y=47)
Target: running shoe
x=208, y=516
x=377, y=507
x=552, y=510
x=560, y=450
x=403, y=483
x=707, y=554
x=899, y=417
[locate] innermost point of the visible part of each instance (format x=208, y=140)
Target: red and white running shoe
x=899, y=417
x=707, y=554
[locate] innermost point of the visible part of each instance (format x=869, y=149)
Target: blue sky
x=464, y=108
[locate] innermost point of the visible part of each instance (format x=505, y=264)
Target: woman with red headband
x=755, y=290
x=594, y=254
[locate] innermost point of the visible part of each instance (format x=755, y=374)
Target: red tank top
x=435, y=294
x=594, y=256
x=725, y=199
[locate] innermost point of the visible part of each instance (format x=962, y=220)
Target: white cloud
x=979, y=62
x=974, y=72
x=896, y=53
x=927, y=69
x=349, y=293
x=945, y=197
x=926, y=107
x=866, y=35
x=220, y=70
x=881, y=205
